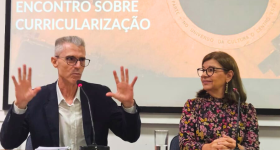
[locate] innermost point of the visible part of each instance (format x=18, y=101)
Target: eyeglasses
x=72, y=61
x=209, y=71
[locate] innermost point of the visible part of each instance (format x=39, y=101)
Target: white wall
x=269, y=125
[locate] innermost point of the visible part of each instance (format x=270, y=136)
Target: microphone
x=93, y=146
x=238, y=110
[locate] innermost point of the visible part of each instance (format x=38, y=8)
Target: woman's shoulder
x=194, y=102
x=248, y=108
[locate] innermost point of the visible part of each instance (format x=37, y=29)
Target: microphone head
x=235, y=90
x=79, y=83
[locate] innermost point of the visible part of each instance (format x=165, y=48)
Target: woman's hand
x=215, y=145
x=229, y=142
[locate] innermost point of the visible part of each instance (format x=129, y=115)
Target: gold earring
x=226, y=88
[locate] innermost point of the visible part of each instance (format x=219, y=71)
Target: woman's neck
x=216, y=94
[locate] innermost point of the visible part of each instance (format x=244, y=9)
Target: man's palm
x=24, y=92
x=124, y=90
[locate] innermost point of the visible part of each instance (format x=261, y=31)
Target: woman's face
x=216, y=82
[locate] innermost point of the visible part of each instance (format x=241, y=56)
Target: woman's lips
x=206, y=82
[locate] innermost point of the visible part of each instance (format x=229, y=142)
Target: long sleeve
x=14, y=130
x=124, y=124
x=251, y=137
x=18, y=111
x=131, y=110
x=187, y=138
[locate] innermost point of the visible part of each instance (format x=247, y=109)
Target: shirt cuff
x=19, y=111
x=131, y=110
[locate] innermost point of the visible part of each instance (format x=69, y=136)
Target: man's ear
x=229, y=76
x=54, y=61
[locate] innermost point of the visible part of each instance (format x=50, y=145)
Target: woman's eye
x=210, y=69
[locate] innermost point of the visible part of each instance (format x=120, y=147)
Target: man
x=58, y=114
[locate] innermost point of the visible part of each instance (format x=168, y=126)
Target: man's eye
x=82, y=59
x=70, y=58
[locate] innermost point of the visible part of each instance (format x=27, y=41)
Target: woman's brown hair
x=227, y=62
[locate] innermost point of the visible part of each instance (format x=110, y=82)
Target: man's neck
x=68, y=90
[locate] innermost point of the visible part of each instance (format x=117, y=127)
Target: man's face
x=69, y=73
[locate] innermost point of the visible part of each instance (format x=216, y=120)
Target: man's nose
x=78, y=64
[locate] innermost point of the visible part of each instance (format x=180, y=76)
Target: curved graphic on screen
x=233, y=32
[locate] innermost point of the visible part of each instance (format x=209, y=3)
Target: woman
x=209, y=122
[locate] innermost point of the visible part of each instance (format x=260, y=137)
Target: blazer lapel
x=86, y=118
x=51, y=112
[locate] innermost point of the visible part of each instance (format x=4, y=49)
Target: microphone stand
x=93, y=146
x=238, y=118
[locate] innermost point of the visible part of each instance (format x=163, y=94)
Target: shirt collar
x=60, y=96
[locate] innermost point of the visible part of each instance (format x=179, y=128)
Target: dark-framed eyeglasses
x=209, y=71
x=72, y=61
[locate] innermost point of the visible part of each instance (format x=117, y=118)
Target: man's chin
x=74, y=80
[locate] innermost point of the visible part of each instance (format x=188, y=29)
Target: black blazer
x=42, y=119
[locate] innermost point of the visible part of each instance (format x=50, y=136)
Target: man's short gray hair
x=67, y=39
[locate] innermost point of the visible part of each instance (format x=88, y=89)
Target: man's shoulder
x=43, y=94
x=47, y=88
x=95, y=86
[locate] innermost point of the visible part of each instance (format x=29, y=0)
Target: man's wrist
x=129, y=105
x=20, y=105
x=18, y=111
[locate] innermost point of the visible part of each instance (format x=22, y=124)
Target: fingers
x=227, y=144
x=126, y=76
x=134, y=80
x=226, y=141
x=122, y=74
x=230, y=140
x=23, y=76
x=15, y=81
x=35, y=91
x=24, y=72
x=216, y=146
x=225, y=135
x=110, y=94
x=116, y=77
x=29, y=74
x=19, y=75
